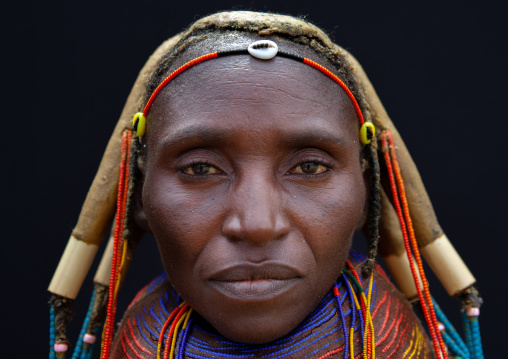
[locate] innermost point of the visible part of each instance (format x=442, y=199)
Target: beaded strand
x=52, y=354
x=372, y=342
x=407, y=216
x=80, y=352
x=353, y=311
x=360, y=313
x=476, y=338
x=472, y=348
x=118, y=248
x=450, y=336
x=410, y=241
x=472, y=333
x=467, y=331
x=184, y=318
x=367, y=325
x=343, y=319
x=181, y=349
x=174, y=320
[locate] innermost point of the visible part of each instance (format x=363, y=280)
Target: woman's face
x=253, y=188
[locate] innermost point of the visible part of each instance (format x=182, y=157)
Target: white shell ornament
x=263, y=49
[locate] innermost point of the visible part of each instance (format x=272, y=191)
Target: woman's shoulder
x=138, y=332
x=398, y=330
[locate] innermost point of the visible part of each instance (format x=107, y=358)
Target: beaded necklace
x=174, y=333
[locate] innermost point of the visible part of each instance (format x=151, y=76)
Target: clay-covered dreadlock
x=374, y=206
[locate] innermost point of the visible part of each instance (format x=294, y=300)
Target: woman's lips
x=252, y=282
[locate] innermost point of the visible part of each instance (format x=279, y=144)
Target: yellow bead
x=139, y=124
x=363, y=132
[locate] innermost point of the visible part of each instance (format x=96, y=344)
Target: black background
x=438, y=67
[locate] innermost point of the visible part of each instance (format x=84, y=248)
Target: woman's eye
x=309, y=168
x=200, y=169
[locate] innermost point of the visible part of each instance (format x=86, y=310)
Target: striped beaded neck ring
x=263, y=50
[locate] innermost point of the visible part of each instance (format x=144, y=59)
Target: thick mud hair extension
x=131, y=195
x=131, y=190
x=98, y=313
x=374, y=206
x=63, y=315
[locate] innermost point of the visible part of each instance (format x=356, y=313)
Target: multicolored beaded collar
x=264, y=50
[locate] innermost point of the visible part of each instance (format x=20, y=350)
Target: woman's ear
x=138, y=209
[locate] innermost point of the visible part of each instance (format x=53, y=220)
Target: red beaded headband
x=265, y=50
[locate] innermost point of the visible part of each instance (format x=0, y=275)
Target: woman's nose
x=256, y=212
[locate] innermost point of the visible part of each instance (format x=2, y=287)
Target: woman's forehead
x=244, y=87
x=247, y=77
x=246, y=83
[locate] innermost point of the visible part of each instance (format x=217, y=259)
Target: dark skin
x=253, y=188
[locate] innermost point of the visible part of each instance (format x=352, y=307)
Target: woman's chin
x=258, y=323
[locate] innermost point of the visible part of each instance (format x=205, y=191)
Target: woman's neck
x=338, y=325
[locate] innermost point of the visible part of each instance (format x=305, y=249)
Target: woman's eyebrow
x=315, y=137
x=195, y=134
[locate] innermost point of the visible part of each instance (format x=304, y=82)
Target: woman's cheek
x=181, y=220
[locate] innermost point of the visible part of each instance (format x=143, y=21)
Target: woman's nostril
x=258, y=227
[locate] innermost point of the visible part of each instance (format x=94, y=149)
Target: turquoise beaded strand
x=79, y=351
x=467, y=331
x=472, y=347
x=450, y=335
x=477, y=341
x=472, y=332
x=52, y=354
